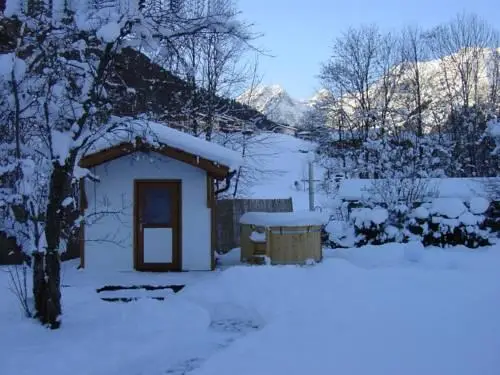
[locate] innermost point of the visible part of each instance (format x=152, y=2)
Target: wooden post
x=310, y=179
x=311, y=186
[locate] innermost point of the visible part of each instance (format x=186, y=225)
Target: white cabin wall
x=109, y=240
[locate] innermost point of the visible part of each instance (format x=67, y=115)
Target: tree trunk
x=47, y=268
x=53, y=285
x=46, y=288
x=39, y=286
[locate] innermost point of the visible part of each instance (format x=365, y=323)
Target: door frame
x=138, y=239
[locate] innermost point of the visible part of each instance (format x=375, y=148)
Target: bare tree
x=461, y=45
x=394, y=192
x=493, y=72
x=414, y=52
x=246, y=134
x=390, y=71
x=352, y=71
x=212, y=63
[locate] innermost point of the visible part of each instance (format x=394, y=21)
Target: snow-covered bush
x=369, y=225
x=383, y=217
x=340, y=234
x=450, y=222
x=440, y=222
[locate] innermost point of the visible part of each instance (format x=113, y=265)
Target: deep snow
x=389, y=310
x=280, y=170
x=368, y=311
x=373, y=310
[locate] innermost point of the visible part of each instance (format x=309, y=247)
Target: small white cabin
x=150, y=206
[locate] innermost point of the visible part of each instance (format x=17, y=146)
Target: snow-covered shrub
x=340, y=234
x=450, y=222
x=440, y=222
x=371, y=226
x=384, y=217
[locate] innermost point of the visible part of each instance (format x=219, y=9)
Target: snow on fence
x=229, y=212
x=285, y=238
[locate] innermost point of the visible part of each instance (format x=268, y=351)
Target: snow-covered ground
x=394, y=309
x=277, y=163
x=374, y=310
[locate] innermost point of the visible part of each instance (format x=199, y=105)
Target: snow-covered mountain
x=276, y=104
x=441, y=79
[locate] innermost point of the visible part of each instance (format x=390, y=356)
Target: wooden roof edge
x=214, y=169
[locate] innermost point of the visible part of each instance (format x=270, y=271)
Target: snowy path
x=372, y=314
x=143, y=337
x=362, y=311
x=228, y=324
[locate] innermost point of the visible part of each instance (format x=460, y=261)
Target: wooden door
x=157, y=212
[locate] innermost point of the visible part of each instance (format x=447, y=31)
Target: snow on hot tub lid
x=284, y=219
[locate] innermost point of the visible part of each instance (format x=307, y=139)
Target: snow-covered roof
x=464, y=188
x=157, y=134
x=284, y=219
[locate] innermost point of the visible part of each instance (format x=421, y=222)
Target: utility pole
x=311, y=185
x=310, y=180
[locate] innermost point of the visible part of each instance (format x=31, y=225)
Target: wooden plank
x=294, y=245
x=246, y=244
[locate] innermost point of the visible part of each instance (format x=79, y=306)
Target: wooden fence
x=9, y=251
x=11, y=254
x=229, y=212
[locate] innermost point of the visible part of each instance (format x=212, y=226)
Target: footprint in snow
x=231, y=318
x=185, y=367
x=233, y=322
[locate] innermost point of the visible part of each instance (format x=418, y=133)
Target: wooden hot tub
x=281, y=238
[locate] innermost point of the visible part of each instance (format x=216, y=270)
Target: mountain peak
x=265, y=91
x=276, y=103
x=275, y=88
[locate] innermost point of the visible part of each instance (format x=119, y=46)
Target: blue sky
x=299, y=33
